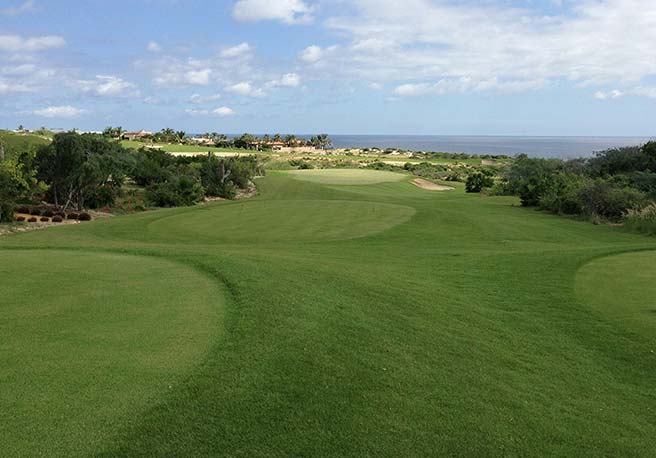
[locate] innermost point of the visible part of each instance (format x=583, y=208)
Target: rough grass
x=462, y=331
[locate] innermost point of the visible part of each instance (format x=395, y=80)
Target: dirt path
x=429, y=185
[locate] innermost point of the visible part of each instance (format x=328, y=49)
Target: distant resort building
x=135, y=135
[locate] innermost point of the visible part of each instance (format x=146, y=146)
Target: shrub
x=477, y=181
x=72, y=216
x=607, y=201
x=57, y=219
x=6, y=210
x=20, y=219
x=642, y=220
x=48, y=213
x=23, y=209
x=179, y=191
x=45, y=219
x=84, y=216
x=35, y=211
x=32, y=219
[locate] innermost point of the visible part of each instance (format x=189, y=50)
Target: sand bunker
x=425, y=184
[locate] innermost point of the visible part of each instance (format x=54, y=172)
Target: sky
x=446, y=67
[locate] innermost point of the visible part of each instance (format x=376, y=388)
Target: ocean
x=552, y=147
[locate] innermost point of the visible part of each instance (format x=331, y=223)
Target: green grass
x=376, y=320
x=346, y=176
x=15, y=144
x=181, y=148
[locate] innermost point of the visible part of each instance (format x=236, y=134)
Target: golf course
x=337, y=313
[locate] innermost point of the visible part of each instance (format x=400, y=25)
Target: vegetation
x=613, y=185
x=338, y=313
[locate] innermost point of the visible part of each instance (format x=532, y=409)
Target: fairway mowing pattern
x=313, y=220
x=89, y=340
x=346, y=176
x=361, y=320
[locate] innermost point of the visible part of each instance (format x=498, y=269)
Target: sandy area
x=429, y=185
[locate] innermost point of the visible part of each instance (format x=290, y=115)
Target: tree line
x=615, y=185
x=89, y=171
x=244, y=141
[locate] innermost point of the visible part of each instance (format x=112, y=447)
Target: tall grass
x=642, y=220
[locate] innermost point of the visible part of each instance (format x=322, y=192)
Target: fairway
x=339, y=313
x=346, y=176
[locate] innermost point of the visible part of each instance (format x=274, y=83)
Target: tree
x=16, y=183
x=321, y=141
x=81, y=168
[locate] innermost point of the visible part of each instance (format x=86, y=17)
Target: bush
x=20, y=219
x=45, y=219
x=7, y=211
x=84, y=216
x=35, y=211
x=23, y=209
x=642, y=220
x=57, y=219
x=603, y=199
x=477, y=181
x=48, y=213
x=72, y=216
x=179, y=191
x=32, y=219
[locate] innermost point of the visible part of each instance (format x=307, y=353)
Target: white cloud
x=223, y=111
x=240, y=50
x=245, y=88
x=65, y=111
x=286, y=80
x=108, y=86
x=198, y=98
x=640, y=91
x=220, y=112
x=467, y=84
x=17, y=44
x=8, y=87
x=25, y=7
x=153, y=46
x=375, y=86
x=181, y=74
x=311, y=54
x=286, y=11
x=591, y=42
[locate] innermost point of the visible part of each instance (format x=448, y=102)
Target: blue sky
x=489, y=67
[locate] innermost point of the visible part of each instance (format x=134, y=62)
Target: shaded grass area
x=458, y=331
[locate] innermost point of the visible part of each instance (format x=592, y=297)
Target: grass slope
x=458, y=329
x=16, y=144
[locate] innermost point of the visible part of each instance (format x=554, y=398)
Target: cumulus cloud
x=614, y=94
x=240, y=50
x=286, y=80
x=198, y=98
x=221, y=112
x=596, y=42
x=65, y=111
x=311, y=54
x=467, y=84
x=286, y=11
x=245, y=88
x=108, y=86
x=16, y=43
